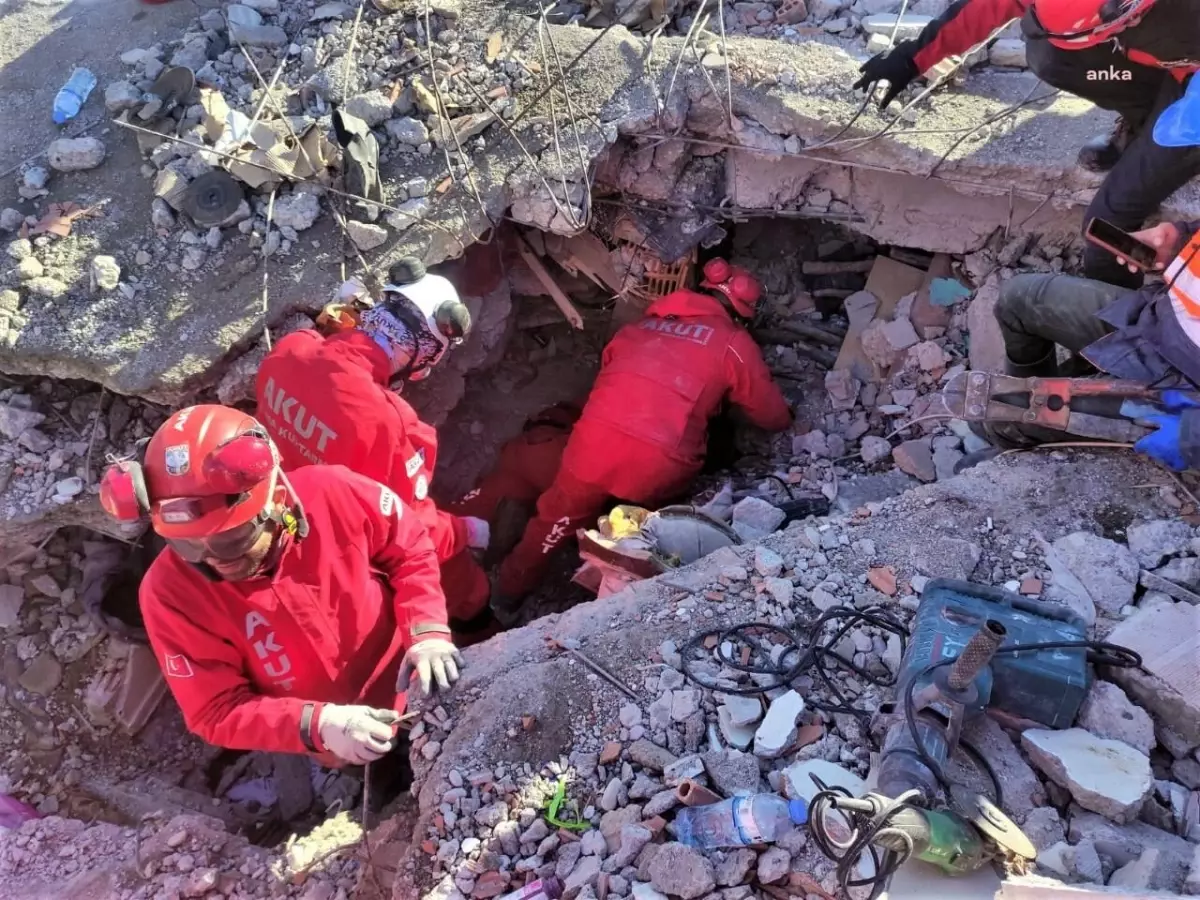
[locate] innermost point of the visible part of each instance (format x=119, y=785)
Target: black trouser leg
x=1036, y=314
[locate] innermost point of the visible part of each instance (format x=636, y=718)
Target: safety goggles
x=225, y=546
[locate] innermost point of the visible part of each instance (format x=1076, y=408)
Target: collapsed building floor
x=558, y=167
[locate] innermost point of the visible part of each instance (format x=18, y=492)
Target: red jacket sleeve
x=400, y=548
x=206, y=675
x=750, y=385
x=963, y=25
x=448, y=532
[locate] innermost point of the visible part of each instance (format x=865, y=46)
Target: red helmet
x=208, y=469
x=740, y=288
x=1075, y=24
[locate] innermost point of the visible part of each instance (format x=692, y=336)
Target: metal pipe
x=691, y=793
x=976, y=655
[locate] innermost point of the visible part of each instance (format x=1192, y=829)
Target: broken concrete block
x=1167, y=636
x=755, y=518
x=1191, y=886
x=1104, y=776
x=842, y=388
x=905, y=27
x=682, y=769
x=743, y=710
x=1152, y=542
x=781, y=590
x=680, y=871
x=767, y=562
x=1085, y=863
x=1184, y=572
x=365, y=235
x=1056, y=859
x=1044, y=827
x=732, y=772
x=1138, y=875
x=987, y=344
x=883, y=340
x=778, y=728
x=12, y=597
x=75, y=154
x=874, y=449
x=798, y=784
x=1106, y=569
x=738, y=736
x=916, y=458
x=1007, y=52
x=1108, y=713
x=1023, y=791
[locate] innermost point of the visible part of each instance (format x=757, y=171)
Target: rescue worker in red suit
x=327, y=400
x=1133, y=57
x=288, y=612
x=642, y=435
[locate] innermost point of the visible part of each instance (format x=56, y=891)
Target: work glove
x=479, y=533
x=1163, y=444
x=357, y=734
x=432, y=659
x=895, y=66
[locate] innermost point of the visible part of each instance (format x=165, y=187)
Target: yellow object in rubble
x=623, y=522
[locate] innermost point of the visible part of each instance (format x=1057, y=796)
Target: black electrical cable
x=820, y=660
x=865, y=831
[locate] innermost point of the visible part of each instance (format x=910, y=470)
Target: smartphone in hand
x=1121, y=243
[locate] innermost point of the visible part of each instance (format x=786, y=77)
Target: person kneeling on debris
x=525, y=469
x=327, y=400
x=642, y=435
x=1133, y=57
x=1151, y=336
x=288, y=612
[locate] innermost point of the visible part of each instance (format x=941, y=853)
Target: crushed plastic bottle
x=72, y=95
x=739, y=822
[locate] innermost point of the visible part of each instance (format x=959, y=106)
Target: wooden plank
x=561, y=300
x=587, y=253
x=924, y=313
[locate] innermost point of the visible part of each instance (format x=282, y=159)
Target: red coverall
x=643, y=432
x=325, y=400
x=526, y=467
x=331, y=624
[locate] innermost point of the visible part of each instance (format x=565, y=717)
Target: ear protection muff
x=123, y=493
x=241, y=463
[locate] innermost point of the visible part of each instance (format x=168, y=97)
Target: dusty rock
x=767, y=563
x=30, y=268
x=642, y=890
x=12, y=597
x=374, y=107
x=1152, y=542
x=944, y=461
x=754, y=518
x=106, y=273
x=15, y=421
x=732, y=771
x=773, y=865
x=1106, y=569
x=75, y=154
x=1191, y=887
x=682, y=872
x=874, y=449
x=1139, y=874
x=611, y=824
x=1056, y=859
x=586, y=871
x=1104, y=776
x=633, y=838
x=365, y=235
x=732, y=867
x=798, y=784
x=258, y=35
x=883, y=340
x=737, y=736
x=650, y=756
x=778, y=728
x=1044, y=827
x=121, y=95
x=408, y=130
x=1108, y=713
x=297, y=210
x=781, y=590
x=46, y=287
x=743, y=710
x=43, y=675
x=1085, y=863
x=915, y=458
x=842, y=388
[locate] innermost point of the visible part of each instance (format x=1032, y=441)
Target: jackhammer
x=973, y=648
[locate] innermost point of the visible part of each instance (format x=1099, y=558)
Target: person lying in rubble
x=526, y=467
x=1151, y=336
x=330, y=399
x=288, y=612
x=641, y=438
x=1133, y=57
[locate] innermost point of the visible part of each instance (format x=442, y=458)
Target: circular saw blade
x=212, y=198
x=174, y=86
x=1002, y=831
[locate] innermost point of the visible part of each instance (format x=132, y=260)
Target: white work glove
x=479, y=533
x=431, y=659
x=357, y=734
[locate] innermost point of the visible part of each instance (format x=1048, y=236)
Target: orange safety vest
x=1183, y=285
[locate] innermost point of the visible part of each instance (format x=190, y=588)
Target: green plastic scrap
x=560, y=795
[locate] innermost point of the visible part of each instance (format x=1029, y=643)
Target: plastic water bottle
x=739, y=822
x=71, y=96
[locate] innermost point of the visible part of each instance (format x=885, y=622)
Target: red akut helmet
x=1075, y=24
x=740, y=288
x=206, y=470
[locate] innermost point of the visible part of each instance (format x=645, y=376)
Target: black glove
x=896, y=67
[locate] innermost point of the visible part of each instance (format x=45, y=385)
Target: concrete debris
x=1104, y=776
x=1153, y=542
x=798, y=784
x=75, y=154
x=778, y=728
x=1108, y=571
x=366, y=236
x=754, y=518
x=916, y=458
x=682, y=872
x=1108, y=713
x=732, y=772
x=106, y=273
x=297, y=210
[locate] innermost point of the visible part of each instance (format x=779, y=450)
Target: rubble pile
x=184, y=856
x=1113, y=800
